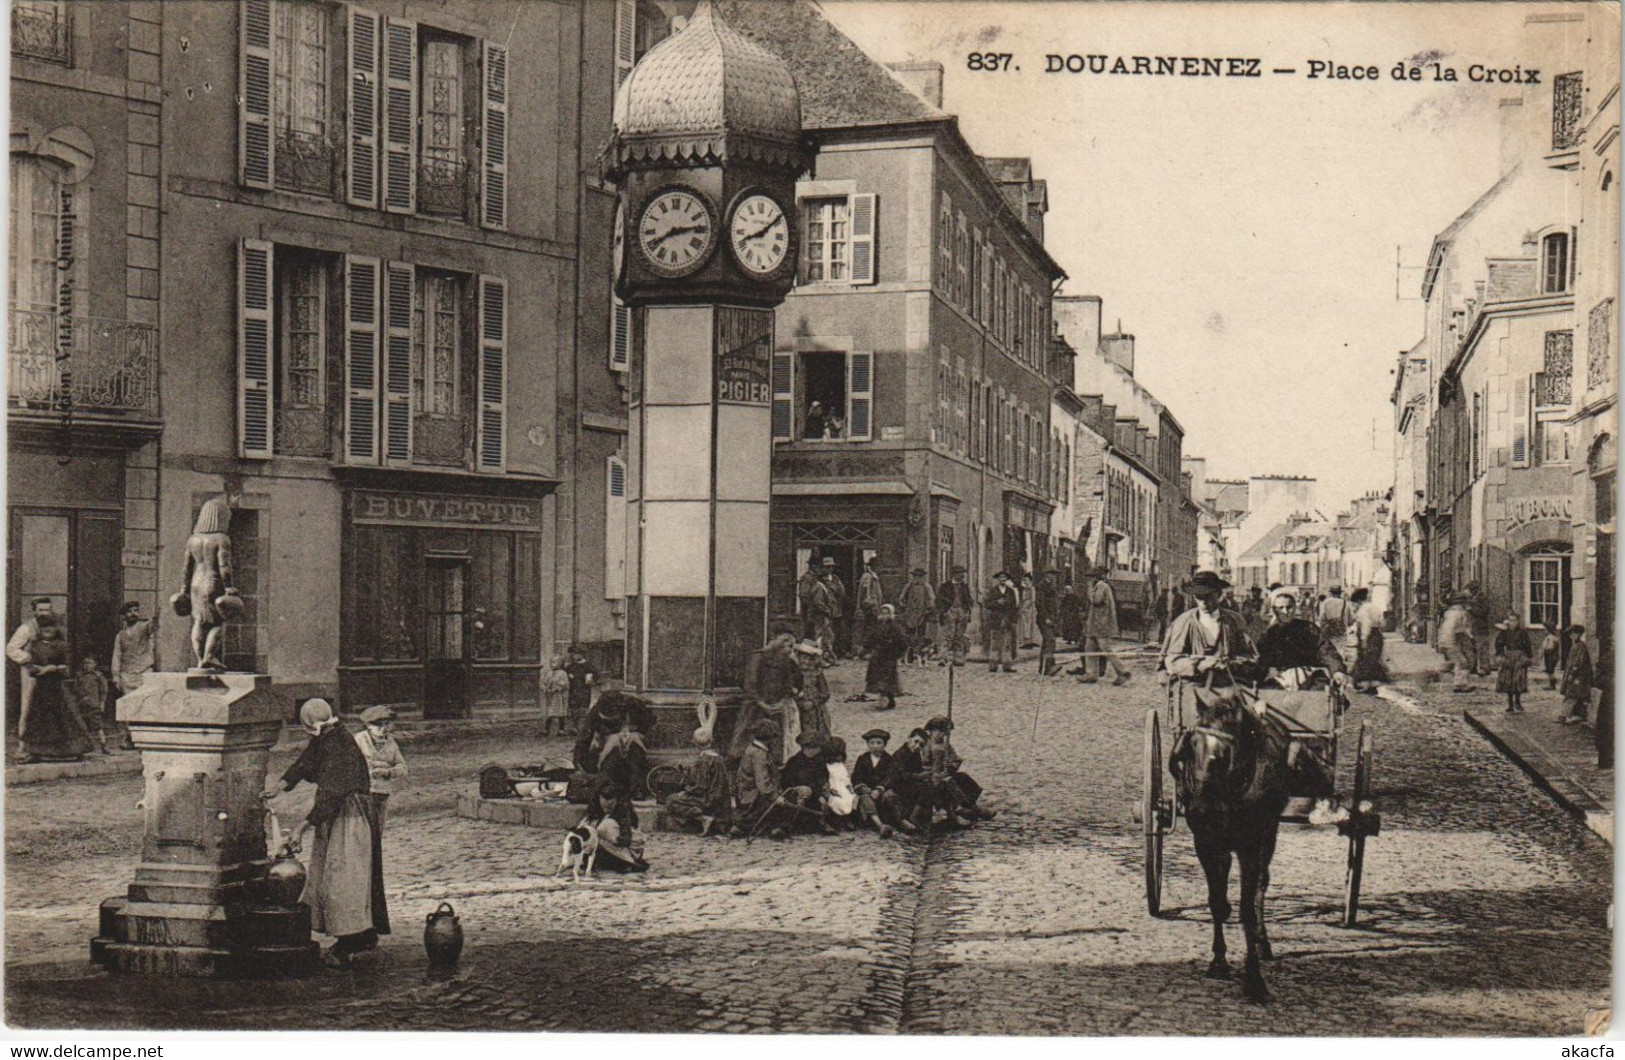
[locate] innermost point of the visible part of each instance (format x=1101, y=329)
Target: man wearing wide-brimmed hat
x=1001, y=610
x=1206, y=640
x=916, y=606
x=1099, y=629
x=954, y=605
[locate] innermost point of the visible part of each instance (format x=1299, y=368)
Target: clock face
x=676, y=232
x=759, y=234
x=620, y=240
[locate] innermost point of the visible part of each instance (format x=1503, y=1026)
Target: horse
x=1232, y=771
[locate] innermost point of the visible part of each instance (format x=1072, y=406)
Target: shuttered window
x=614, y=528
x=361, y=337
x=255, y=147
x=945, y=246
x=493, y=381
x=494, y=150
x=620, y=335
x=1520, y=422
x=254, y=316
x=626, y=38
x=860, y=395
x=400, y=288
x=361, y=185
x=784, y=373
x=400, y=119
x=862, y=208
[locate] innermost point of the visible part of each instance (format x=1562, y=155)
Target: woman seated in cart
x=1204, y=642
x=1293, y=653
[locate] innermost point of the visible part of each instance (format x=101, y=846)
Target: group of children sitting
x=815, y=792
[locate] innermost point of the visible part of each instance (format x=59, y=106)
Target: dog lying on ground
x=579, y=851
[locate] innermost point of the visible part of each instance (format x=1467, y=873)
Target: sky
x=1262, y=238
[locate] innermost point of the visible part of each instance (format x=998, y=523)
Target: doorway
x=446, y=667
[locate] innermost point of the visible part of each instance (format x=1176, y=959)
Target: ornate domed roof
x=703, y=89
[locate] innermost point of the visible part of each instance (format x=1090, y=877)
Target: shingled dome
x=703, y=89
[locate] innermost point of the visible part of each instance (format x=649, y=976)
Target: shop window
x=822, y=396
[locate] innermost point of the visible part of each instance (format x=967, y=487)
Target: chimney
x=1119, y=349
x=924, y=79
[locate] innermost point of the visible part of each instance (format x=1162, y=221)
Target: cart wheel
x=1362, y=793
x=664, y=782
x=1151, y=813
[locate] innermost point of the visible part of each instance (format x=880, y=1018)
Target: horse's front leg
x=1216, y=866
x=1266, y=855
x=1252, y=976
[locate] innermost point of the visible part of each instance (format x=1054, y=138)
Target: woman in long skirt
x=1369, y=669
x=344, y=886
x=55, y=731
x=1513, y=648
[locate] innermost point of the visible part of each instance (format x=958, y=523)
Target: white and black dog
x=579, y=851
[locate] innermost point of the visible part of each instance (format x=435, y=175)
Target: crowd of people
x=66, y=710
x=1474, y=645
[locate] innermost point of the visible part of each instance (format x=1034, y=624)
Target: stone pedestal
x=194, y=907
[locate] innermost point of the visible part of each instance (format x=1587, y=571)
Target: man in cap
x=906, y=780
x=808, y=587
x=1204, y=642
x=870, y=596
x=954, y=604
x=1292, y=649
x=1455, y=640
x=1099, y=630
x=385, y=763
x=1002, y=610
x=918, y=602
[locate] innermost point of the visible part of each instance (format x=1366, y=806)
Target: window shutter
x=961, y=411
x=860, y=395
x=361, y=359
x=614, y=528
x=626, y=38
x=861, y=209
x=254, y=287
x=981, y=421
x=784, y=378
x=256, y=149
x=493, y=373
x=620, y=335
x=361, y=188
x=400, y=116
x=399, y=290
x=945, y=245
x=1520, y=422
x=494, y=157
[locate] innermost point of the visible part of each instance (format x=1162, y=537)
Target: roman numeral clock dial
x=676, y=232
x=759, y=234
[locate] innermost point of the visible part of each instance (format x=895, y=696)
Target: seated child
x=876, y=804
x=707, y=799
x=906, y=782
x=841, y=803
x=951, y=788
x=805, y=782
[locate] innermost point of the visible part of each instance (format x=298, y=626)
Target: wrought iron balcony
x=110, y=365
x=443, y=186
x=1567, y=107
x=305, y=162
x=43, y=33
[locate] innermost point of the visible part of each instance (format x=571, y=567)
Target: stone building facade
x=84, y=408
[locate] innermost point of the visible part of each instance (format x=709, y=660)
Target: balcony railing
x=40, y=33
x=112, y=364
x=443, y=186
x=305, y=162
x=1567, y=106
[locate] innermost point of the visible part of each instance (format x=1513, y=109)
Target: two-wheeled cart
x=1313, y=721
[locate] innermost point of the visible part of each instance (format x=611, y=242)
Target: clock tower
x=708, y=145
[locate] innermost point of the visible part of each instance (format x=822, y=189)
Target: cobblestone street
x=1484, y=910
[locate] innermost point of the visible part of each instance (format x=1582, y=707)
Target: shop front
x=442, y=603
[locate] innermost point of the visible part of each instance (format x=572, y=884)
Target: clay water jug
x=443, y=935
